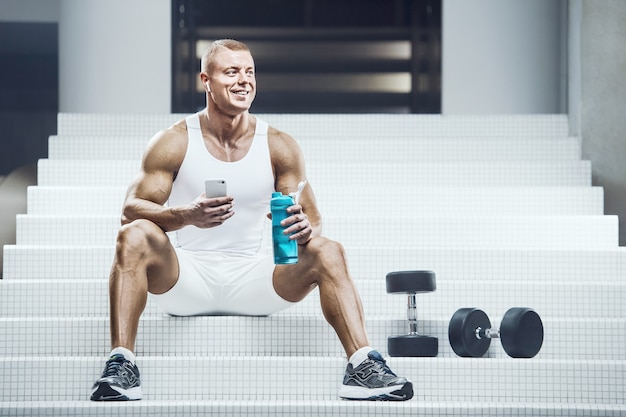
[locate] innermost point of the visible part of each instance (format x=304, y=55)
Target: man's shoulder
x=278, y=135
x=175, y=132
x=282, y=145
x=178, y=128
x=172, y=140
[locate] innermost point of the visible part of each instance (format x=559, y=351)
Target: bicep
x=289, y=171
x=287, y=163
x=154, y=186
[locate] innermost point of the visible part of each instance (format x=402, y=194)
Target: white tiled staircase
x=500, y=207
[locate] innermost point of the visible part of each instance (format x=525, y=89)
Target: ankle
x=360, y=355
x=128, y=355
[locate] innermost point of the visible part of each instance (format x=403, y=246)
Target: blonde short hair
x=207, y=57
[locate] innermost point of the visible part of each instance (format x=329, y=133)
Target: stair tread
x=304, y=408
x=601, y=231
x=97, y=173
x=283, y=335
x=90, y=296
x=314, y=377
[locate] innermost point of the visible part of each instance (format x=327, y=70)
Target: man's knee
x=326, y=252
x=139, y=237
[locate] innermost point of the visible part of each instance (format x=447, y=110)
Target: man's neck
x=224, y=128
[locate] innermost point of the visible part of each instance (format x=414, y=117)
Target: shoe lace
x=381, y=364
x=112, y=366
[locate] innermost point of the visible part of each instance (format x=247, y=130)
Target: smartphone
x=215, y=187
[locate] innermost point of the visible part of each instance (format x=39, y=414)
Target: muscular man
x=212, y=263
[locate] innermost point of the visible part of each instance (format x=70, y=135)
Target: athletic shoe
x=119, y=381
x=374, y=381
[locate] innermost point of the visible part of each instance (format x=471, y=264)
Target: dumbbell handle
x=411, y=313
x=487, y=333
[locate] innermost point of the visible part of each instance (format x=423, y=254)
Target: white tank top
x=250, y=181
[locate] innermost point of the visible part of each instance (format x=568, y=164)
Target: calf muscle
x=144, y=261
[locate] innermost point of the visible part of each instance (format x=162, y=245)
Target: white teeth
x=240, y=93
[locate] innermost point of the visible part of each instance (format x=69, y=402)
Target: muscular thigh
x=315, y=259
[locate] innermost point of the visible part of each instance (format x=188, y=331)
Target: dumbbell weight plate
x=521, y=332
x=413, y=345
x=410, y=282
x=462, y=332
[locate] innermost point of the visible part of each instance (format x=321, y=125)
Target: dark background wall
x=29, y=91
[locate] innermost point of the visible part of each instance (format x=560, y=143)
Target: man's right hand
x=210, y=212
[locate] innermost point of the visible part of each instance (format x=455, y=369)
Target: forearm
x=316, y=229
x=167, y=218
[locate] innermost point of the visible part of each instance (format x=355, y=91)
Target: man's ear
x=204, y=78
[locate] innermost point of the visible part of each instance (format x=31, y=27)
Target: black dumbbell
x=521, y=332
x=413, y=343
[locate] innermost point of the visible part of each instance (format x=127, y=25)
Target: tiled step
x=364, y=201
x=65, y=298
x=76, y=200
x=336, y=125
x=233, y=378
x=56, y=262
x=119, y=173
x=565, y=232
x=310, y=408
x=414, y=149
x=298, y=335
x=366, y=263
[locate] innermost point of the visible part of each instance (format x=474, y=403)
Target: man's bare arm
x=289, y=171
x=152, y=186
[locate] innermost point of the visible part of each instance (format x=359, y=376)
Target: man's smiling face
x=231, y=81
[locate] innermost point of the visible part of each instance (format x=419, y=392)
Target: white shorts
x=213, y=283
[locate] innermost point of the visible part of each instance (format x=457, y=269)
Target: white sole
x=396, y=392
x=112, y=393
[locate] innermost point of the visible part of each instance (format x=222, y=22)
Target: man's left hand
x=297, y=226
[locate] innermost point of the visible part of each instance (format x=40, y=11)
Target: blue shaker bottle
x=285, y=250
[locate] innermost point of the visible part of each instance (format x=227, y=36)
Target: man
x=215, y=265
